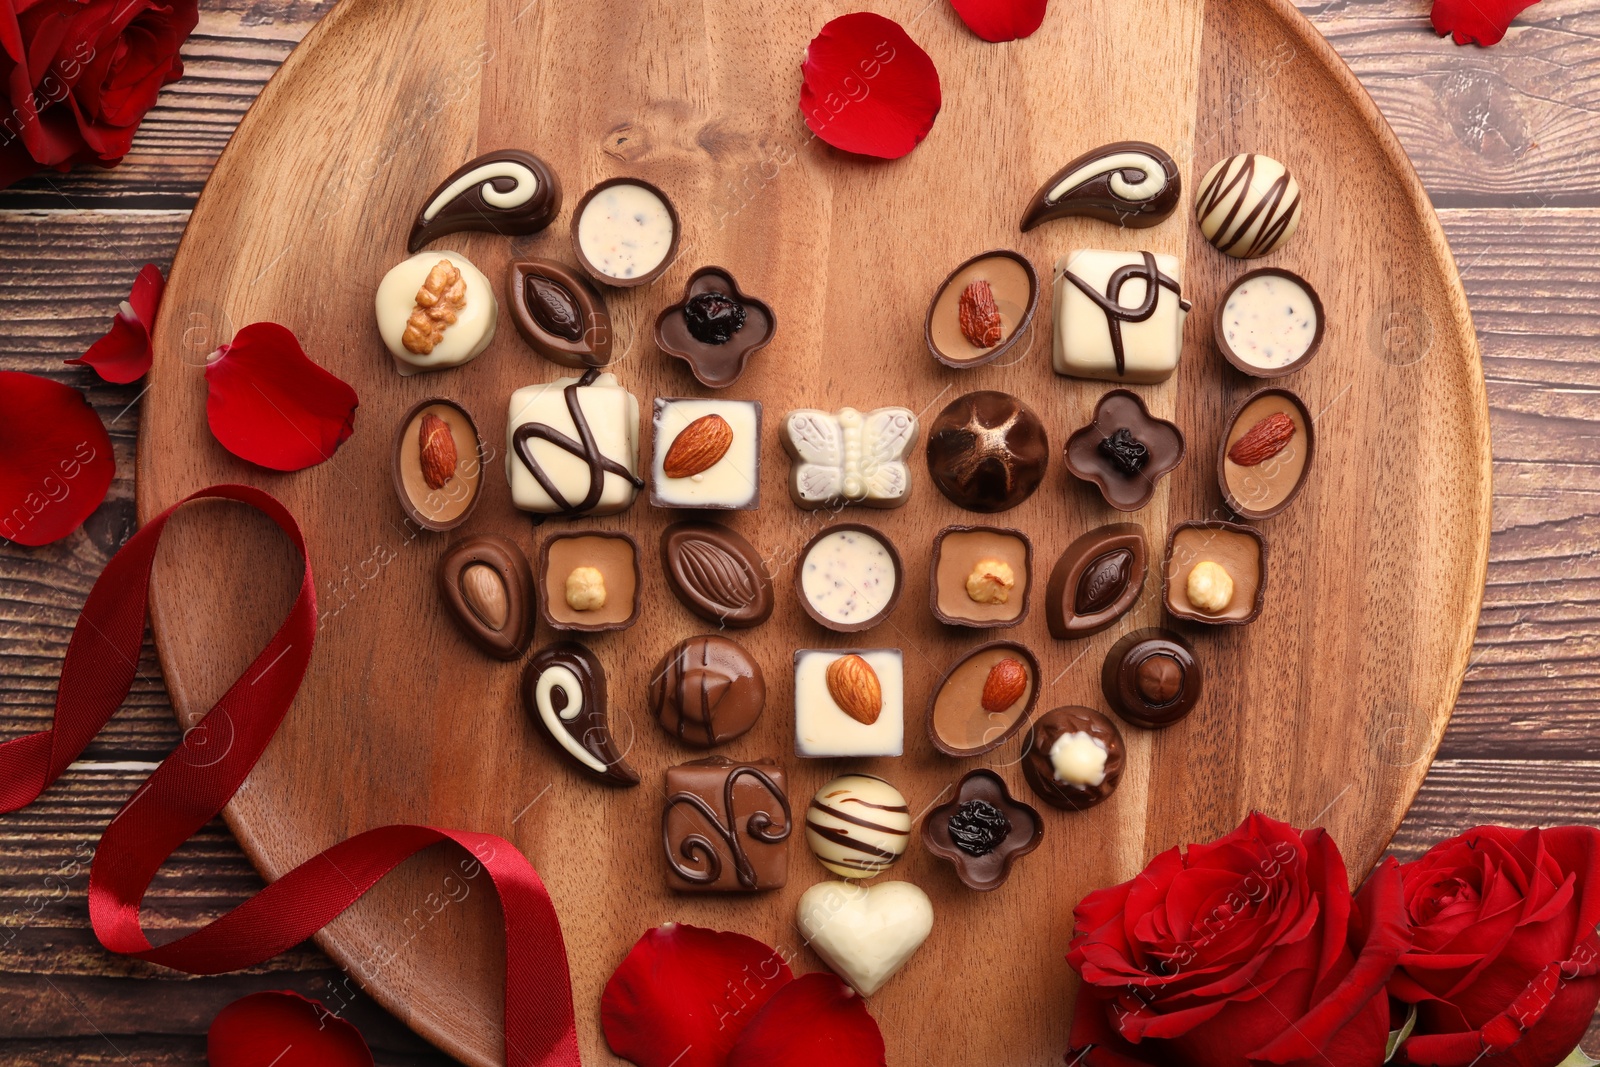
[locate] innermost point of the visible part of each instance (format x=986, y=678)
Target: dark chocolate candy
x=689, y=330
x=1091, y=459
x=1151, y=678
x=559, y=313
x=564, y=690
x=438, y=490
x=1096, y=580
x=726, y=826
x=1040, y=768
x=716, y=574
x=987, y=451
x=1129, y=183
x=707, y=691
x=507, y=192
x=982, y=831
x=486, y=583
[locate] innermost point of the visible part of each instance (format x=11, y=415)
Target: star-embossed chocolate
x=987, y=451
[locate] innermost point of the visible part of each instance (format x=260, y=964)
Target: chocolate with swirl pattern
x=564, y=691
x=1110, y=302
x=585, y=448
x=1128, y=183
x=506, y=192
x=726, y=826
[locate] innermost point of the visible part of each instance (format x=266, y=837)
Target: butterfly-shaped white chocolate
x=849, y=456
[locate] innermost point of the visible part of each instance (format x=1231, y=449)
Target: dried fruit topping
x=1263, y=440
x=713, y=318
x=1125, y=451
x=854, y=686
x=979, y=315
x=978, y=827
x=437, y=451
x=553, y=307
x=698, y=448
x=439, y=303
x=991, y=582
x=1103, y=581
x=1006, y=684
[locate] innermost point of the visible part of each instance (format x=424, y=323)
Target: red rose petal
x=1479, y=22
x=868, y=88
x=815, y=1019
x=58, y=462
x=124, y=354
x=267, y=403
x=283, y=1030
x=1001, y=20
x=683, y=995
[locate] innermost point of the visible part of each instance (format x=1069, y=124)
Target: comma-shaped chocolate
x=564, y=690
x=716, y=574
x=486, y=583
x=1129, y=183
x=507, y=192
x=559, y=313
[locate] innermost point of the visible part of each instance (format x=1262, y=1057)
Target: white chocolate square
x=822, y=729
x=734, y=481
x=1083, y=330
x=613, y=417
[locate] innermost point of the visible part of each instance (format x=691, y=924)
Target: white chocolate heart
x=865, y=933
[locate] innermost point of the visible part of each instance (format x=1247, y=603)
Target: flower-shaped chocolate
x=716, y=328
x=983, y=831
x=1125, y=450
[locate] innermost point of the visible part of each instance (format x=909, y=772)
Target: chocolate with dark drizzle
x=874, y=858
x=1279, y=214
x=758, y=826
x=584, y=448
x=1115, y=313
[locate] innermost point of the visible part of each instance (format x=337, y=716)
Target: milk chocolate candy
x=983, y=308
x=436, y=464
x=707, y=691
x=982, y=831
x=564, y=691
x=1073, y=758
x=1096, y=580
x=716, y=574
x=716, y=328
x=1151, y=678
x=1129, y=183
x=1266, y=454
x=980, y=576
x=984, y=698
x=508, y=192
x=588, y=581
x=726, y=826
x=1125, y=451
x=559, y=313
x=487, y=585
x=1216, y=573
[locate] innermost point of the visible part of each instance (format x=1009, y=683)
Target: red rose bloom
x=1505, y=969
x=1246, y=951
x=79, y=76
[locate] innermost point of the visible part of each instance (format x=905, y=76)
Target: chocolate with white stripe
x=858, y=825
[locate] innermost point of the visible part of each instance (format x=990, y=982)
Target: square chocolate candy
x=707, y=454
x=849, y=702
x=726, y=826
x=1119, y=315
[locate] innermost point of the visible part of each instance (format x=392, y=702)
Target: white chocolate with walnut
x=462, y=322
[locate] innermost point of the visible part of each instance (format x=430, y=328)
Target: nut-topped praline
x=1152, y=678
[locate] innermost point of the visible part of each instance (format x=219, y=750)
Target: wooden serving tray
x=1326, y=711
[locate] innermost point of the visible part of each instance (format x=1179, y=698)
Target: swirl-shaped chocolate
x=564, y=690
x=724, y=826
x=1129, y=183
x=507, y=192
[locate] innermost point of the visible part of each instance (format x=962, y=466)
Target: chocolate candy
x=984, y=698
x=564, y=691
x=716, y=574
x=1125, y=451
x=437, y=464
x=590, y=419
x=559, y=313
x=588, y=582
x=726, y=826
x=1248, y=206
x=1151, y=678
x=1129, y=183
x=486, y=583
x=707, y=454
x=849, y=457
x=1265, y=455
x=1269, y=323
x=980, y=576
x=1073, y=758
x=1119, y=316
x=982, y=309
x=625, y=232
x=715, y=328
x=435, y=310
x=858, y=825
x=987, y=451
x=849, y=702
x=508, y=192
x=982, y=831
x=1216, y=573
x=1096, y=580
x=707, y=691
x=865, y=934
x=848, y=577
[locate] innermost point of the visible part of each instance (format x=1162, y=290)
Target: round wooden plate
x=1326, y=711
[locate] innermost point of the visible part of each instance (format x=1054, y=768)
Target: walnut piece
x=439, y=303
x=586, y=589
x=991, y=582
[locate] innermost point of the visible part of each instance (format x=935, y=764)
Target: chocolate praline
x=948, y=595
x=725, y=826
x=1016, y=298
x=715, y=363
x=1105, y=191
x=1125, y=451
x=987, y=451
x=564, y=691
x=1240, y=550
x=492, y=197
x=1096, y=580
x=1039, y=764
x=716, y=574
x=669, y=254
x=559, y=313
x=1151, y=678
x=451, y=503
x=991, y=846
x=889, y=603
x=614, y=554
x=1262, y=490
x=487, y=584
x=707, y=691
x=959, y=723
x=1219, y=324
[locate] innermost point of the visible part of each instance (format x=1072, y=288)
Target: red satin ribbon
x=196, y=780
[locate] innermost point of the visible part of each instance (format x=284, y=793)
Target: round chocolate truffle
x=1151, y=678
x=857, y=825
x=1073, y=757
x=987, y=451
x=707, y=691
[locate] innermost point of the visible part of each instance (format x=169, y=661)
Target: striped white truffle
x=858, y=825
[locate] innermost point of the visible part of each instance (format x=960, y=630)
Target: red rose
x=1505, y=968
x=1246, y=951
x=79, y=76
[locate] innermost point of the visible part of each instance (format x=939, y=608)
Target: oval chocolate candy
x=559, y=313
x=716, y=574
x=1096, y=580
x=487, y=585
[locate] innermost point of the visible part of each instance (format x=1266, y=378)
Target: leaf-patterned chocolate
x=1103, y=581
x=716, y=574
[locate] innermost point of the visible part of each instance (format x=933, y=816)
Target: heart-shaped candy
x=865, y=933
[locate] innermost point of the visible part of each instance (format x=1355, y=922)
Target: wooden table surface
x=1505, y=139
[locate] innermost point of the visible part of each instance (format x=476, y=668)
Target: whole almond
x=697, y=449
x=854, y=686
x=1263, y=440
x=437, y=451
x=1007, y=681
x=485, y=593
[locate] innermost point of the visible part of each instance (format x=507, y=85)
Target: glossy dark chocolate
x=987, y=451
x=716, y=574
x=1039, y=768
x=1151, y=678
x=707, y=691
x=614, y=554
x=970, y=820
x=486, y=583
x=564, y=691
x=715, y=364
x=726, y=826
x=1129, y=183
x=1118, y=410
x=508, y=192
x=1096, y=580
x=559, y=313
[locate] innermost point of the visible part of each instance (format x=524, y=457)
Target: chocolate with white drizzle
x=564, y=690
x=725, y=826
x=1128, y=183
x=586, y=447
x=1248, y=205
x=507, y=192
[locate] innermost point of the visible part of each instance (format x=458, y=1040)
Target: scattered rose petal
x=868, y=87
x=1480, y=22
x=815, y=1019
x=1001, y=20
x=58, y=462
x=683, y=995
x=283, y=1030
x=123, y=354
x=268, y=403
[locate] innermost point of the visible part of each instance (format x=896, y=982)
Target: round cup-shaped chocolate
x=1265, y=487
x=1280, y=285
x=847, y=579
x=1152, y=678
x=1240, y=550
x=983, y=871
x=438, y=478
x=715, y=366
x=598, y=272
x=1016, y=299
x=614, y=555
x=1043, y=773
x=957, y=553
x=559, y=313
x=959, y=720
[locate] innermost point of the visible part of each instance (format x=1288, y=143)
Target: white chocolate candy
x=823, y=729
x=1270, y=321
x=1079, y=759
x=865, y=933
x=556, y=477
x=849, y=457
x=848, y=577
x=734, y=481
x=625, y=231
x=463, y=340
x=858, y=825
x=1119, y=315
x=1248, y=206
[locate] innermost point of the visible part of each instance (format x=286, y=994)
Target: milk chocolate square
x=726, y=826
